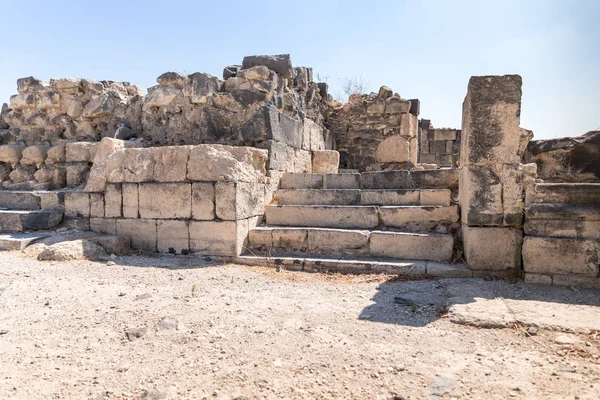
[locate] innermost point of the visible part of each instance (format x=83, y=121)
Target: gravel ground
x=68, y=331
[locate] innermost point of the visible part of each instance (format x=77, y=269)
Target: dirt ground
x=209, y=331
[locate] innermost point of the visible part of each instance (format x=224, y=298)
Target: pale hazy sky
x=421, y=49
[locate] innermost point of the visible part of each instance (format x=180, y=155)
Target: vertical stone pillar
x=491, y=183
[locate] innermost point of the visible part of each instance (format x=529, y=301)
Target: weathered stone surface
x=11, y=153
x=72, y=250
x=281, y=156
x=561, y=256
x=56, y=154
x=425, y=217
x=77, y=174
x=302, y=161
x=203, y=201
x=434, y=197
x=172, y=236
x=165, y=200
x=130, y=200
x=301, y=181
x=113, y=244
x=323, y=216
x=203, y=85
x=99, y=106
x=160, y=97
x=34, y=155
x=337, y=240
x=573, y=212
x=96, y=205
x=316, y=197
x=104, y=225
x=141, y=231
x=429, y=179
x=80, y=151
x=567, y=193
x=77, y=204
x=563, y=228
x=279, y=63
x=138, y=165
x=325, y=162
x=107, y=161
x=390, y=197
x=225, y=238
x=341, y=181
x=491, y=248
x=393, y=149
x=491, y=116
x=170, y=163
x=574, y=159
x=22, y=174
x=113, y=201
x=411, y=246
x=239, y=200
x=226, y=163
x=291, y=130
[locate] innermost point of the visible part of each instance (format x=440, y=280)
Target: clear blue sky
x=421, y=49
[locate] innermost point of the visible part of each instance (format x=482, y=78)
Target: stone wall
x=575, y=159
x=377, y=131
x=439, y=146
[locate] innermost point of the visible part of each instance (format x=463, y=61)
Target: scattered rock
x=152, y=395
x=136, y=333
x=441, y=386
x=167, y=323
x=532, y=331
x=72, y=250
x=3, y=331
x=143, y=297
x=565, y=340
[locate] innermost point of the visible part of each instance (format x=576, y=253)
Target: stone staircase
x=22, y=211
x=368, y=222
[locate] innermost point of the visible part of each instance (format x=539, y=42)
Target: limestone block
x=428, y=159
x=281, y=156
x=377, y=107
x=108, y=161
x=562, y=228
x=263, y=126
x=325, y=162
x=74, y=108
x=172, y=236
x=96, y=205
x=223, y=238
x=138, y=165
x=341, y=181
x=291, y=130
x=412, y=246
x=561, y=256
x=492, y=248
x=444, y=134
x=161, y=97
x=170, y=163
x=491, y=116
x=337, y=240
x=492, y=195
x=317, y=137
x=22, y=174
x=567, y=193
x=104, y=225
x=130, y=200
x=239, y=200
x=409, y=125
x=77, y=204
x=393, y=149
x=413, y=152
x=261, y=237
x=203, y=201
x=272, y=184
x=54, y=200
x=34, y=155
x=390, y=197
x=141, y=231
x=424, y=216
x=77, y=174
x=396, y=105
x=165, y=200
x=56, y=154
x=437, y=197
x=323, y=216
x=113, y=201
x=289, y=238
x=226, y=163
x=11, y=153
x=301, y=181
x=427, y=179
x=80, y=151
x=316, y=197
x=99, y=106
x=302, y=161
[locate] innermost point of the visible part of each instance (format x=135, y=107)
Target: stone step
x=18, y=241
x=29, y=220
x=575, y=212
x=320, y=181
x=427, y=197
x=415, y=269
x=562, y=228
x=567, y=193
x=31, y=200
x=272, y=240
x=426, y=179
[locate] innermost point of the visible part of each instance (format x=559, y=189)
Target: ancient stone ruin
x=264, y=167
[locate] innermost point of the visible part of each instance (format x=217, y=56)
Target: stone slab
x=408, y=215
x=130, y=200
x=226, y=238
x=18, y=241
x=172, y=236
x=165, y=200
x=574, y=212
x=14, y=221
x=434, y=197
x=113, y=200
x=141, y=231
x=563, y=228
x=561, y=256
x=411, y=246
x=203, y=201
x=341, y=181
x=239, y=200
x=317, y=197
x=492, y=248
x=567, y=193
x=388, y=197
x=427, y=179
x=77, y=204
x=301, y=181
x=323, y=216
x=19, y=200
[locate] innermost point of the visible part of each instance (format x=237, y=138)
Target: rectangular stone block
x=261, y=237
x=113, y=200
x=492, y=248
x=567, y=193
x=97, y=205
x=416, y=215
x=52, y=200
x=301, y=181
x=561, y=256
x=281, y=156
x=221, y=238
x=325, y=162
x=239, y=200
x=444, y=134
x=563, y=228
x=77, y=204
x=130, y=200
x=290, y=238
x=138, y=165
x=411, y=246
x=165, y=200
x=434, y=197
x=302, y=161
x=409, y=125
x=291, y=130
x=172, y=236
x=203, y=201
x=428, y=159
x=215, y=162
x=390, y=197
x=170, y=163
x=323, y=216
x=428, y=179
x=424, y=149
x=573, y=212
x=317, y=197
x=337, y=240
x=104, y=225
x=491, y=117
x=80, y=151
x=317, y=138
x=341, y=181
x=141, y=231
